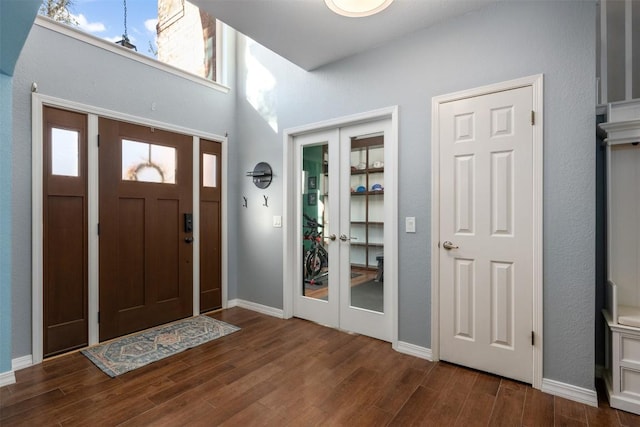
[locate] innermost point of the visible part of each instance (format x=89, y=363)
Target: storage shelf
x=371, y=245
x=367, y=193
x=367, y=170
x=367, y=205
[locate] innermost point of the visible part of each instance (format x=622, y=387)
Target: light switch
x=277, y=221
x=410, y=224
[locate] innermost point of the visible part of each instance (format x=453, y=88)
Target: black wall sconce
x=261, y=174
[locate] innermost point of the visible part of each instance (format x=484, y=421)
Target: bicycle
x=316, y=258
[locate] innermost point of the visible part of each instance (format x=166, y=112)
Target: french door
x=340, y=221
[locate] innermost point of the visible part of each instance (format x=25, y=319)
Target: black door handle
x=188, y=239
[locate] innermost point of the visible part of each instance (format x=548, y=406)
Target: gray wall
x=502, y=42
x=73, y=70
x=498, y=43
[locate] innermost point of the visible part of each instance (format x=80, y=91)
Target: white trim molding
x=7, y=378
x=254, y=306
x=571, y=392
x=414, y=350
x=536, y=83
x=21, y=362
x=38, y=101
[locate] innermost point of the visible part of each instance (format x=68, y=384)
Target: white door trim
x=289, y=234
x=38, y=101
x=536, y=83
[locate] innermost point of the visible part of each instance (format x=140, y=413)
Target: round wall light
x=357, y=8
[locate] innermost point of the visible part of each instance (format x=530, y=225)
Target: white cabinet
x=622, y=312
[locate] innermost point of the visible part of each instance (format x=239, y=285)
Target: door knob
x=331, y=237
x=188, y=239
x=344, y=238
x=448, y=245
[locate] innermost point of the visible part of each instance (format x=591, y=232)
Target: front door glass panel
x=315, y=208
x=148, y=162
x=64, y=152
x=367, y=223
x=209, y=170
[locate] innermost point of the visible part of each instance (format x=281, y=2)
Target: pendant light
x=357, y=8
x=125, y=39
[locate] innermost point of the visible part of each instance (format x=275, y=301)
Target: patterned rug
x=133, y=351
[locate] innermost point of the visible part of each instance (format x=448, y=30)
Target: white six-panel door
x=486, y=233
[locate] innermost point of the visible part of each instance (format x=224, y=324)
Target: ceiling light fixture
x=357, y=8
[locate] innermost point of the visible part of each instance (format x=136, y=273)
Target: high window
x=174, y=32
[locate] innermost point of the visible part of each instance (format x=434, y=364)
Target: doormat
x=134, y=351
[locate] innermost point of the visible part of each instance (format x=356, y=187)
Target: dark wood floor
x=285, y=372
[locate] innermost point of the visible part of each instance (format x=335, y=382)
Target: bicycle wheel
x=313, y=264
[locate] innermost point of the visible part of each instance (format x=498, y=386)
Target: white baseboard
x=7, y=378
x=21, y=362
x=571, y=392
x=264, y=309
x=414, y=350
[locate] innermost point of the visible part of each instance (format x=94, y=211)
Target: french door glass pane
x=367, y=223
x=315, y=208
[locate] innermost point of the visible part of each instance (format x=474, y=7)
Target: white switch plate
x=410, y=224
x=277, y=221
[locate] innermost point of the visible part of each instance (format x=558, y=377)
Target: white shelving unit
x=622, y=308
x=367, y=207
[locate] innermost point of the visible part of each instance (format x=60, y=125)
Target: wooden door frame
x=290, y=208
x=536, y=83
x=38, y=101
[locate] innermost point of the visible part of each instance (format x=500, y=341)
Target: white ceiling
x=310, y=35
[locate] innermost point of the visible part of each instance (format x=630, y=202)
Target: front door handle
x=188, y=239
x=344, y=238
x=331, y=237
x=448, y=245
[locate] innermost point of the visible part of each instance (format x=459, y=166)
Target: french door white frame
x=38, y=102
x=290, y=243
x=536, y=83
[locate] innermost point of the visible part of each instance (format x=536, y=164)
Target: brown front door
x=210, y=226
x=146, y=253
x=64, y=231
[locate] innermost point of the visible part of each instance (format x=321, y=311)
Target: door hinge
x=533, y=117
x=98, y=229
x=532, y=338
x=98, y=317
x=98, y=140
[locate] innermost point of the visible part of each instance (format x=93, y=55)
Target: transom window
x=174, y=32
